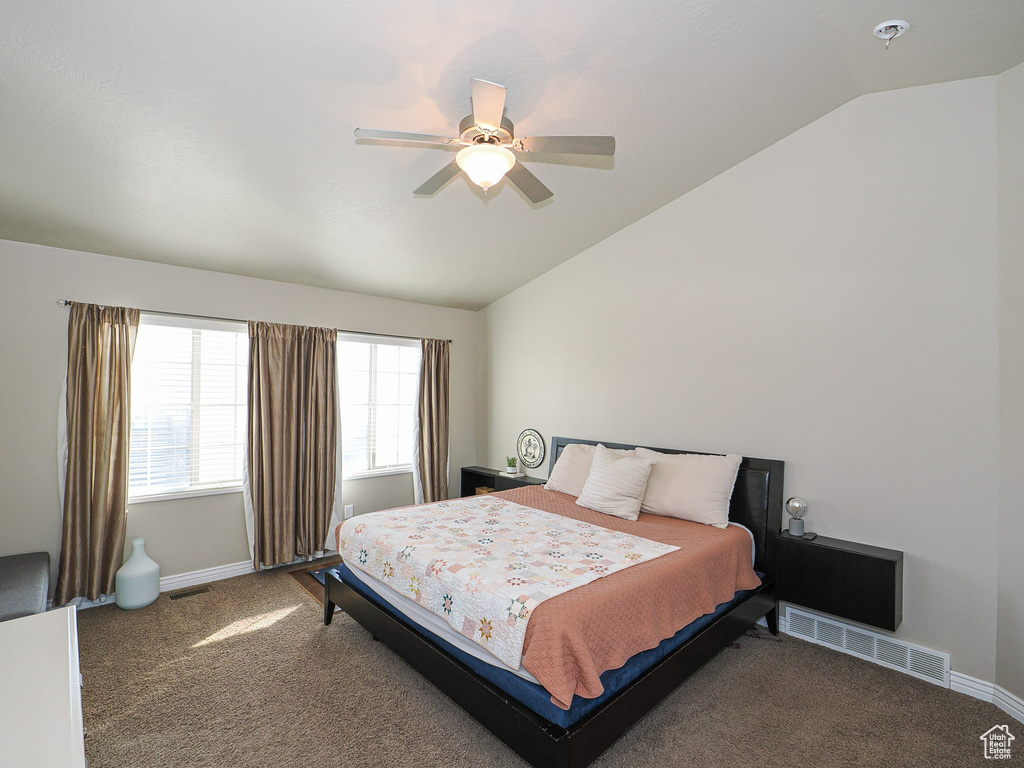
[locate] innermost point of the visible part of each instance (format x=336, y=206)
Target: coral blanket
x=484, y=564
x=575, y=637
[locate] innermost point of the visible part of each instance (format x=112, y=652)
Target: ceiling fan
x=489, y=146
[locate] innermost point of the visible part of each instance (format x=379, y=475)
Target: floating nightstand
x=843, y=578
x=493, y=479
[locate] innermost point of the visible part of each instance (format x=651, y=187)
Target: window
x=189, y=391
x=379, y=386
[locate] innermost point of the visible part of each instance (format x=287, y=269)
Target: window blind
x=379, y=388
x=188, y=404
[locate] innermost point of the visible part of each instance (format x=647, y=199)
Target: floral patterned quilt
x=483, y=564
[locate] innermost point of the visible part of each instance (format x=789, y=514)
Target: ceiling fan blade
x=572, y=145
x=488, y=103
x=371, y=133
x=528, y=184
x=438, y=180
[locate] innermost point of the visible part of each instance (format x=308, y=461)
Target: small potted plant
x=513, y=464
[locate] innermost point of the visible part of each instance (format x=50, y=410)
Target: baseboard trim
x=182, y=580
x=1010, y=703
x=972, y=686
x=84, y=603
x=177, y=581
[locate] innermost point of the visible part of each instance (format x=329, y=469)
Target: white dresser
x=40, y=692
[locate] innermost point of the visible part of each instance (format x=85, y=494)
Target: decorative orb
x=797, y=507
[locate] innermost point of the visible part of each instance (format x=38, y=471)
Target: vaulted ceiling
x=218, y=133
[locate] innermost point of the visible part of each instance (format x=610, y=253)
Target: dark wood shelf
x=476, y=477
x=843, y=578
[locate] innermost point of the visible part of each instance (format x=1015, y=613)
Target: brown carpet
x=248, y=675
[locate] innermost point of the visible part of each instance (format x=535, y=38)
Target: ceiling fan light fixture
x=485, y=164
x=486, y=136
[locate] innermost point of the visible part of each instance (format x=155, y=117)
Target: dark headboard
x=756, y=497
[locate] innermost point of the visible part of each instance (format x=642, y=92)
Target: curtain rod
x=66, y=302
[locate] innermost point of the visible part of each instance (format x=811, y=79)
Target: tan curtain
x=100, y=345
x=292, y=439
x=433, y=420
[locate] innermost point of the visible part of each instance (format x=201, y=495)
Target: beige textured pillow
x=691, y=487
x=573, y=466
x=616, y=484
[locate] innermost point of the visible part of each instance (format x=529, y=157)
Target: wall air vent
x=861, y=643
x=914, y=660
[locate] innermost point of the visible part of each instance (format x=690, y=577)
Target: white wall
x=830, y=302
x=189, y=534
x=1010, y=658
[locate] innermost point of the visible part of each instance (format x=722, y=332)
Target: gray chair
x=24, y=584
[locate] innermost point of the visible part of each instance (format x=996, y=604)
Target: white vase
x=511, y=470
x=137, y=583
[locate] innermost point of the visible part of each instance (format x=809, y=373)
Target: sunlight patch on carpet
x=247, y=625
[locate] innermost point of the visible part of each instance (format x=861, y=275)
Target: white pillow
x=616, y=484
x=691, y=487
x=573, y=466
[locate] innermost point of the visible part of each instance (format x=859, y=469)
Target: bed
x=514, y=710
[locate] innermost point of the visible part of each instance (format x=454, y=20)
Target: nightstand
x=477, y=477
x=843, y=578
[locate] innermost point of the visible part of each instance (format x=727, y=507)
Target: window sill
x=184, y=494
x=377, y=473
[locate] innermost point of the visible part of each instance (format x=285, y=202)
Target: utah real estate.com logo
x=997, y=742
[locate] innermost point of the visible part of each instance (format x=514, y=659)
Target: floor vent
x=187, y=593
x=914, y=660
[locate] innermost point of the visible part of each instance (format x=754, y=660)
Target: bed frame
x=756, y=503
